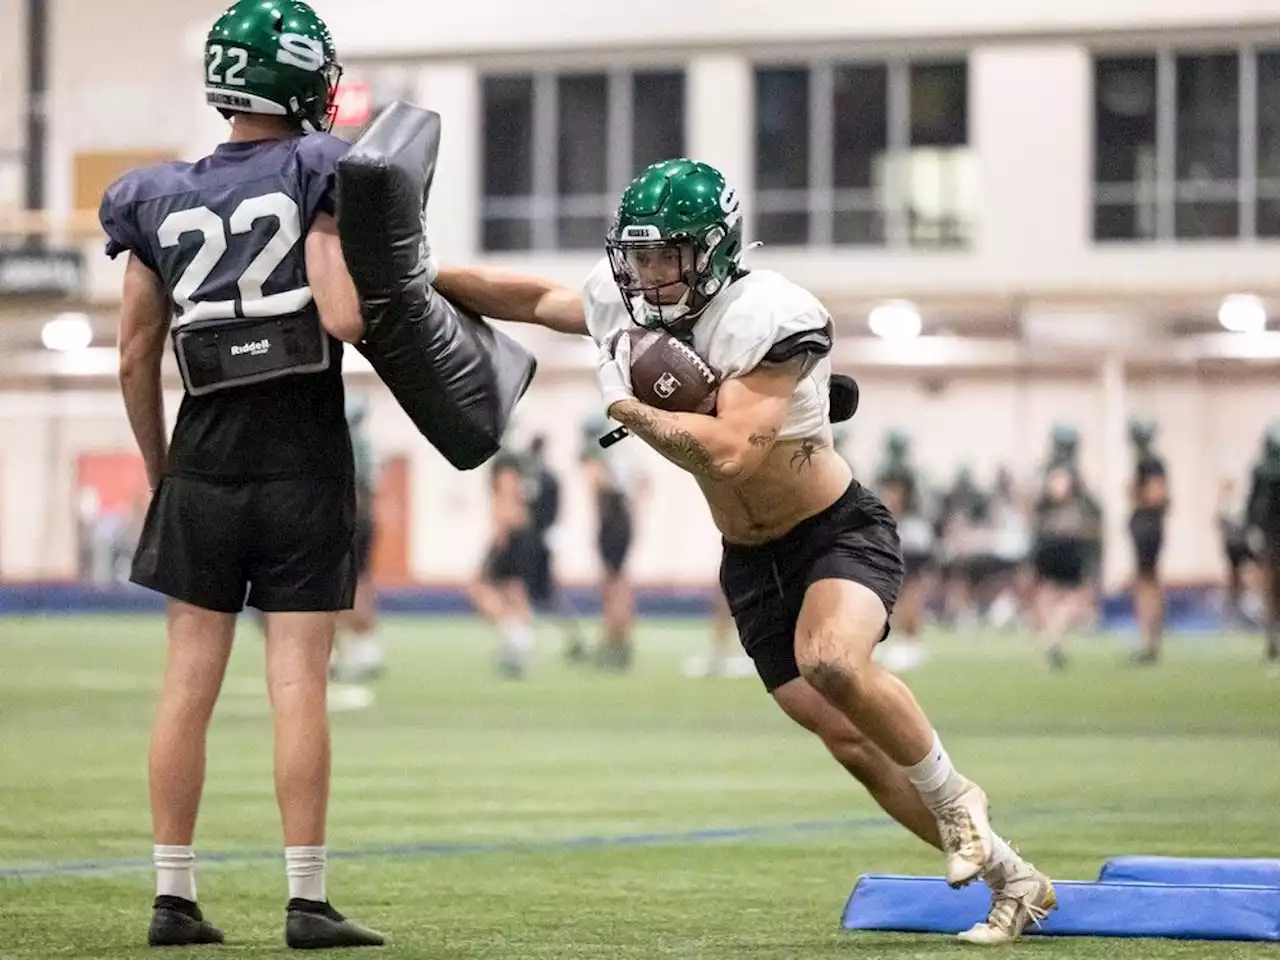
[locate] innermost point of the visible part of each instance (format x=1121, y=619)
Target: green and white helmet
x=684, y=206
x=274, y=57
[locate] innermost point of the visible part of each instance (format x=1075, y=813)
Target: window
x=560, y=148
x=1124, y=160
x=864, y=153
x=1187, y=145
x=1268, y=192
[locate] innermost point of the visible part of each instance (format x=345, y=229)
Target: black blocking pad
x=456, y=377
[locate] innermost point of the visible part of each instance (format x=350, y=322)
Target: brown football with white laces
x=667, y=374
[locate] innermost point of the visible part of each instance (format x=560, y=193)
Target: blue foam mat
x=1200, y=870
x=928, y=905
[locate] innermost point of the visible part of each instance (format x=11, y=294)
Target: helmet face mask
x=675, y=243
x=273, y=57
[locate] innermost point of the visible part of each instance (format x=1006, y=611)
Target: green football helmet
x=675, y=210
x=1142, y=431
x=1271, y=443
x=897, y=444
x=274, y=57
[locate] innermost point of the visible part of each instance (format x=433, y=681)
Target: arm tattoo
x=677, y=445
x=763, y=439
x=803, y=457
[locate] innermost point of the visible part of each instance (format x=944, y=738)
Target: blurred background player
x=1011, y=579
x=902, y=490
x=357, y=652
x=499, y=592
x=965, y=538
x=617, y=490
x=1264, y=515
x=724, y=656
x=1239, y=607
x=253, y=497
x=542, y=492
x=1149, y=496
x=1067, y=521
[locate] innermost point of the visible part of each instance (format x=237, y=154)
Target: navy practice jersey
x=225, y=236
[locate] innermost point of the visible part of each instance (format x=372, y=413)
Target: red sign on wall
x=355, y=104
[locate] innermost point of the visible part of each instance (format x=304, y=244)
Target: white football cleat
x=966, y=835
x=1022, y=896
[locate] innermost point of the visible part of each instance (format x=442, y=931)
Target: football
x=667, y=374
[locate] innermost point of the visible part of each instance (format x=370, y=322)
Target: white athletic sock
x=368, y=650
x=175, y=871
x=935, y=778
x=305, y=867
x=518, y=636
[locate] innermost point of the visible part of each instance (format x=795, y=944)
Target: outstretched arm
x=511, y=296
x=750, y=410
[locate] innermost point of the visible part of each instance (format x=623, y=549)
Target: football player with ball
x=726, y=372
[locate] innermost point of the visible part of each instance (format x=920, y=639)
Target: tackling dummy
x=456, y=377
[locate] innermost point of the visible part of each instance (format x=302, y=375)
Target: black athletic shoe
x=176, y=922
x=312, y=925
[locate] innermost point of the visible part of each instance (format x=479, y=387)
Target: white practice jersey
x=735, y=332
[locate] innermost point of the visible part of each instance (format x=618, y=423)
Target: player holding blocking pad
x=253, y=497
x=812, y=564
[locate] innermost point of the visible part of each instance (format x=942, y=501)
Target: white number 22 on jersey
x=253, y=303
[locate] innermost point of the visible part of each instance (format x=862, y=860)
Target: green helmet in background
x=897, y=444
x=1066, y=443
x=687, y=208
x=1142, y=432
x=273, y=57
x=1271, y=443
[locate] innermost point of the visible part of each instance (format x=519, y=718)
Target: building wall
x=1030, y=113
x=1209, y=430
x=376, y=27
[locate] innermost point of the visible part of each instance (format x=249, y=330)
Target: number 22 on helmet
x=273, y=57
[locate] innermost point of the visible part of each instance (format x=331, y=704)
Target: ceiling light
x=67, y=332
x=895, y=320
x=1243, y=313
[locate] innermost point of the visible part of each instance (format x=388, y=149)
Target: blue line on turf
x=37, y=871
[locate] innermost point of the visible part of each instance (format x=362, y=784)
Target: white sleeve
x=597, y=289
x=776, y=336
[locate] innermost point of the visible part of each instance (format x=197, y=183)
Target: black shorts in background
x=512, y=559
x=283, y=545
x=854, y=539
x=1146, y=528
x=1062, y=562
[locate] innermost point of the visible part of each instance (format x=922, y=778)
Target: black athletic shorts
x=916, y=565
x=1147, y=530
x=614, y=536
x=284, y=545
x=512, y=559
x=1062, y=562
x=537, y=574
x=854, y=539
x=1239, y=553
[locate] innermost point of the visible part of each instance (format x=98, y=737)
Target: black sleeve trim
x=813, y=343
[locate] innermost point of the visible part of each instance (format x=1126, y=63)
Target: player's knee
x=829, y=665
